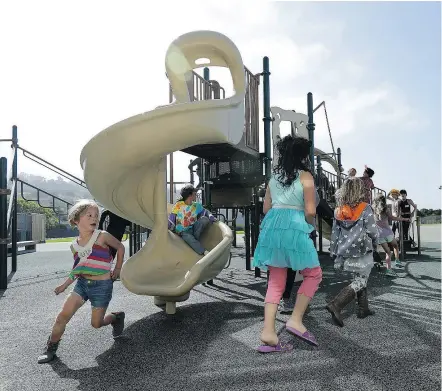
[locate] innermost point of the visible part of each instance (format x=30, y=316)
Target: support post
x=319, y=181
x=401, y=242
x=418, y=228
x=339, y=156
x=311, y=130
x=131, y=239
x=207, y=199
x=256, y=225
x=3, y=225
x=267, y=118
x=14, y=200
x=247, y=237
x=192, y=175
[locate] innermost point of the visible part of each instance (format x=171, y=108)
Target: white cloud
x=74, y=70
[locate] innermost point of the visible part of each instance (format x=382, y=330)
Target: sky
x=71, y=69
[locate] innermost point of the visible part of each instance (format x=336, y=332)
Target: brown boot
x=363, y=310
x=49, y=354
x=339, y=302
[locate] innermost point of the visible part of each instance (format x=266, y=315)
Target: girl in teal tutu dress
x=284, y=242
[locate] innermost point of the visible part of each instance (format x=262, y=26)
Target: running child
x=94, y=275
x=386, y=235
x=284, y=241
x=393, y=196
x=189, y=219
x=352, y=242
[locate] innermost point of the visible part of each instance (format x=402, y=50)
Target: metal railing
x=251, y=111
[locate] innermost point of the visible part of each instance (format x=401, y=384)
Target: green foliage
x=32, y=207
x=428, y=212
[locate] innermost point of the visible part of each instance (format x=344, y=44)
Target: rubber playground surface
x=210, y=344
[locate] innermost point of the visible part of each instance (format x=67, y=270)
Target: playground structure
x=223, y=133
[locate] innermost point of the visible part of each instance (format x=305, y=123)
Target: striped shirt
x=97, y=263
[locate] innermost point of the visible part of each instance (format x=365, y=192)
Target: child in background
x=405, y=205
x=92, y=270
x=394, y=193
x=352, y=172
x=352, y=242
x=189, y=219
x=368, y=184
x=386, y=236
x=284, y=241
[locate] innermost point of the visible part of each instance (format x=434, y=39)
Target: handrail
x=53, y=167
x=67, y=203
x=11, y=203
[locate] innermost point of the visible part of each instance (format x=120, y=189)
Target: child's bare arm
x=267, y=201
x=113, y=242
x=394, y=218
x=61, y=288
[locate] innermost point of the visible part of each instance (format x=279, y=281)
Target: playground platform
x=210, y=343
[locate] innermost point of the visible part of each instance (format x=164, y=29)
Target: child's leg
x=308, y=288
x=100, y=295
x=193, y=242
x=200, y=226
x=386, y=248
x=395, y=249
x=275, y=289
x=73, y=302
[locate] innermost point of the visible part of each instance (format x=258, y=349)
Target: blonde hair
x=351, y=193
x=78, y=209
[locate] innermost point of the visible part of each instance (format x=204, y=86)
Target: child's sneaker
x=118, y=325
x=285, y=306
x=390, y=273
x=398, y=264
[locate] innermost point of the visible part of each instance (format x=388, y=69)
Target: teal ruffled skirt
x=284, y=241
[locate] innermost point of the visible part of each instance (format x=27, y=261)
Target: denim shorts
x=99, y=292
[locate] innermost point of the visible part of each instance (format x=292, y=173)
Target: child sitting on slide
x=189, y=219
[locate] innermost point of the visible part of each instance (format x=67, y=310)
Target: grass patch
x=68, y=240
x=59, y=240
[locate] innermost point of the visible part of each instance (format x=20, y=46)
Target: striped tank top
x=91, y=259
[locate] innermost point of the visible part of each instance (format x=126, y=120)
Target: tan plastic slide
x=125, y=170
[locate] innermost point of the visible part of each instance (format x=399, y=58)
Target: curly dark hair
x=293, y=152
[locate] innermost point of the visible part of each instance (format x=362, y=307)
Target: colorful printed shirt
x=184, y=216
x=98, y=261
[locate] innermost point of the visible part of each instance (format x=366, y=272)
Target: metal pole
x=311, y=130
x=205, y=167
x=339, y=154
x=131, y=239
x=418, y=227
x=14, y=201
x=319, y=176
x=171, y=178
x=192, y=175
x=401, y=241
x=3, y=224
x=247, y=237
x=256, y=225
x=267, y=118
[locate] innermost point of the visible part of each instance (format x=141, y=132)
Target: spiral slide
x=132, y=182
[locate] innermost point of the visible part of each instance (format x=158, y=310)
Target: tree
x=24, y=206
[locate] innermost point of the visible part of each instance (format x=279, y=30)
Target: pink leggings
x=278, y=278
